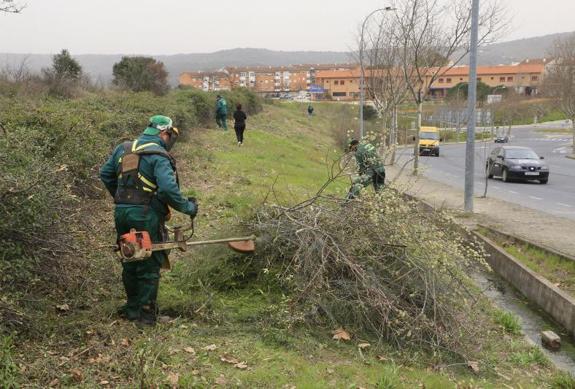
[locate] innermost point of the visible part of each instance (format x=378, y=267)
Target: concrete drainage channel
x=547, y=307
x=555, y=303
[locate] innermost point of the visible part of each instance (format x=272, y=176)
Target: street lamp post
x=471, y=101
x=362, y=76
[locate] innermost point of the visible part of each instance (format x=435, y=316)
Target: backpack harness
x=133, y=187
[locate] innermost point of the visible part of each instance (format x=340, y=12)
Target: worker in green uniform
x=222, y=112
x=142, y=177
x=370, y=168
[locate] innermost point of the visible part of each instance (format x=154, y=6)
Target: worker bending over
x=370, y=168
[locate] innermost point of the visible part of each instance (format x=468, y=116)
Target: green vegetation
x=61, y=285
x=140, y=74
x=8, y=369
x=534, y=356
x=555, y=131
x=508, y=321
x=460, y=91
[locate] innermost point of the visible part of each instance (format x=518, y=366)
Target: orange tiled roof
x=499, y=69
x=347, y=73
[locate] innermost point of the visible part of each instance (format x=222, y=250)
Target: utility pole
x=362, y=69
x=471, y=101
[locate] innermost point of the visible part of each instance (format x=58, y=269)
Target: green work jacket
x=158, y=171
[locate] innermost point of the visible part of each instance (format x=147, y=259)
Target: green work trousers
x=141, y=278
x=222, y=121
x=375, y=178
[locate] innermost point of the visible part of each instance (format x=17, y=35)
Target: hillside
x=99, y=67
x=226, y=320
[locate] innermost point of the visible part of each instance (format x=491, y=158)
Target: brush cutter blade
x=243, y=246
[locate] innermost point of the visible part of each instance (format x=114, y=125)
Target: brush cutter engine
x=138, y=246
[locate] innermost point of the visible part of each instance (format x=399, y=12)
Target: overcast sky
x=188, y=26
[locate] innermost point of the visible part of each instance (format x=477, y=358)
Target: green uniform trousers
x=141, y=278
x=222, y=121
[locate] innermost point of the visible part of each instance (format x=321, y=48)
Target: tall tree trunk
x=573, y=127
x=416, y=145
x=394, y=134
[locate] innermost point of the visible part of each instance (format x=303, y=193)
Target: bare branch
x=10, y=6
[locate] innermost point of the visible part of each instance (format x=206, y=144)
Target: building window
x=342, y=82
x=501, y=79
x=441, y=80
x=461, y=79
x=336, y=82
x=478, y=78
x=492, y=78
x=534, y=78
x=448, y=80
x=339, y=94
x=509, y=79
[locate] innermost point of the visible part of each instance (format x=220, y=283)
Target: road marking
x=513, y=192
x=535, y=198
x=565, y=205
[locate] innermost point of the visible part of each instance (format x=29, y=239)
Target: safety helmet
x=161, y=123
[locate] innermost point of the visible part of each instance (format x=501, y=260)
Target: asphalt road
x=557, y=197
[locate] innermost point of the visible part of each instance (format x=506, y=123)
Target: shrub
x=391, y=270
x=140, y=74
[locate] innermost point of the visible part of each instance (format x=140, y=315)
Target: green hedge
x=52, y=150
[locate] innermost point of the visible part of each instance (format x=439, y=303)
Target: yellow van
x=429, y=141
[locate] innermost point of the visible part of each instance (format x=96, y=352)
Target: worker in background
x=141, y=177
x=310, y=110
x=240, y=124
x=370, y=168
x=222, y=112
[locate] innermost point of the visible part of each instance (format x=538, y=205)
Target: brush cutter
x=137, y=245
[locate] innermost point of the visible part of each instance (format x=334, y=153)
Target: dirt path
x=538, y=227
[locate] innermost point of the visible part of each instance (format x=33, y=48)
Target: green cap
x=157, y=124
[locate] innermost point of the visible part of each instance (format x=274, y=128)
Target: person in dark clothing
x=309, y=110
x=240, y=124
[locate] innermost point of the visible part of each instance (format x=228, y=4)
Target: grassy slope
x=247, y=321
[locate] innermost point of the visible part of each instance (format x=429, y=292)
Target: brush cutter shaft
x=216, y=241
x=176, y=245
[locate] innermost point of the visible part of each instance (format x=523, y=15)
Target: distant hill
x=99, y=67
x=518, y=50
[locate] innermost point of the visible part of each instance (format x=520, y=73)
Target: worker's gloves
x=194, y=203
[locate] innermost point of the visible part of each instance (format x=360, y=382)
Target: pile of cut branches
x=378, y=265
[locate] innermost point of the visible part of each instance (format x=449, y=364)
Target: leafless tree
x=384, y=82
x=431, y=37
x=559, y=82
x=10, y=6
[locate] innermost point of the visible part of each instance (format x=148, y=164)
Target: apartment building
x=525, y=77
x=339, y=84
x=265, y=80
x=206, y=81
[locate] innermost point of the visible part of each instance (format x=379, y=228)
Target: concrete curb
x=537, y=289
x=516, y=239
x=570, y=156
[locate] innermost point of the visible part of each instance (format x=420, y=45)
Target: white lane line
x=565, y=205
x=511, y=191
x=535, y=198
